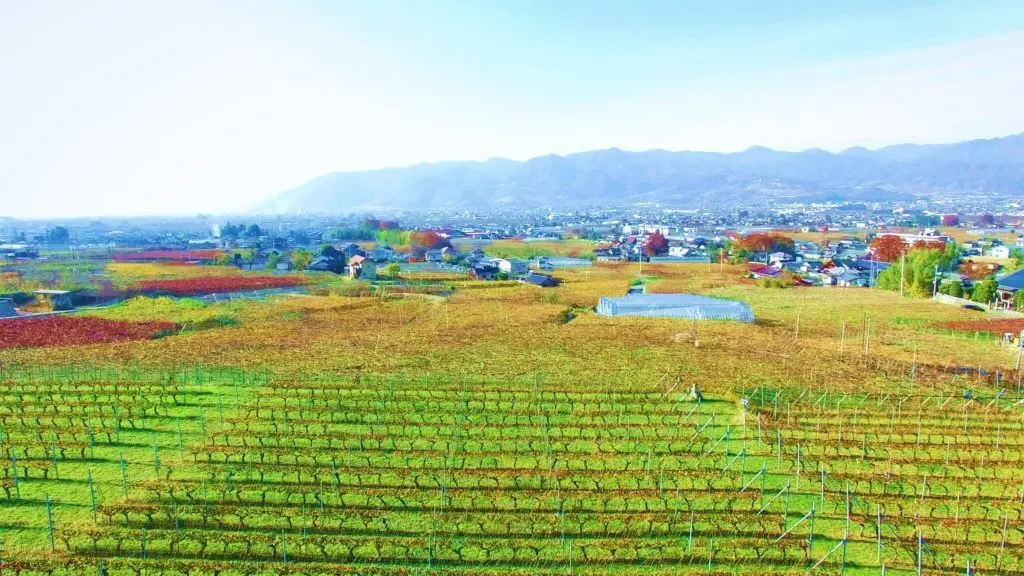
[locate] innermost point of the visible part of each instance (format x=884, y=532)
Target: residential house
x=542, y=280
x=1010, y=284
x=999, y=252
x=436, y=254
x=349, y=249
x=381, y=253
x=513, y=267
x=485, y=270
x=356, y=265
x=762, y=271
x=852, y=279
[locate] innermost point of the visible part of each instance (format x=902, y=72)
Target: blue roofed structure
x=1012, y=282
x=687, y=306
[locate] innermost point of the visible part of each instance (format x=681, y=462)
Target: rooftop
x=690, y=306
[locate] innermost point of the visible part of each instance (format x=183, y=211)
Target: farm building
x=542, y=280
x=59, y=300
x=7, y=308
x=689, y=306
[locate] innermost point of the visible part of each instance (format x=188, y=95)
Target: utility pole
x=935, y=282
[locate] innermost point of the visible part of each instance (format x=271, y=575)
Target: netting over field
x=688, y=306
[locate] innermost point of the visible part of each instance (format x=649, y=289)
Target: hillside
x=615, y=176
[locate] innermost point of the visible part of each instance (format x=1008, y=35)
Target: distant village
x=830, y=245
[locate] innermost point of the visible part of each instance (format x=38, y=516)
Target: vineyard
x=46, y=331
x=345, y=435
x=214, y=284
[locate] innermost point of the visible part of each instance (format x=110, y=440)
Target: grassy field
x=482, y=433
x=527, y=250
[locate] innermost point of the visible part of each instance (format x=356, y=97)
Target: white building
x=514, y=267
x=999, y=252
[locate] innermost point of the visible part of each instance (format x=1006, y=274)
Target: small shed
x=687, y=306
x=7, y=308
x=542, y=280
x=59, y=299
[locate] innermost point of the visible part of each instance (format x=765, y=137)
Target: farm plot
x=206, y=471
x=322, y=476
x=933, y=474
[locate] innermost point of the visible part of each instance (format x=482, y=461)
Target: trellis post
x=49, y=521
x=92, y=494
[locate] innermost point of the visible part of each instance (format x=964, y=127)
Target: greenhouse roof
x=688, y=306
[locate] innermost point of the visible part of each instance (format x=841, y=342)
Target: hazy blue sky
x=209, y=106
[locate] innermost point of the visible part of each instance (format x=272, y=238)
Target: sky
x=209, y=106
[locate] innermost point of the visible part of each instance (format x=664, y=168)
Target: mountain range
x=604, y=177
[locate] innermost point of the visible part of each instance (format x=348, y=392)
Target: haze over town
x=127, y=109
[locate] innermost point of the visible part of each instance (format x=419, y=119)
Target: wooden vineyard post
x=1006, y=518
x=921, y=546
x=689, y=537
x=92, y=494
x=124, y=474
x=879, y=532
x=53, y=451
x=88, y=425
x=778, y=450
x=49, y=521
x=842, y=339
x=156, y=459
x=810, y=535
x=823, y=485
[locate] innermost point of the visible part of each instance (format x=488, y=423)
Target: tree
x=985, y=291
x=765, y=242
x=955, y=288
x=888, y=248
x=231, y=231
x=917, y=272
x=950, y=220
x=428, y=240
x=301, y=258
x=392, y=270
x=1018, y=300
x=656, y=244
x=273, y=259
x=58, y=235
x=253, y=231
x=986, y=220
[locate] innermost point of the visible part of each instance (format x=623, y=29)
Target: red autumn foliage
x=986, y=220
x=45, y=331
x=978, y=270
x=1012, y=325
x=950, y=220
x=380, y=224
x=213, y=284
x=174, y=255
x=766, y=242
x=929, y=245
x=888, y=248
x=656, y=244
x=428, y=240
